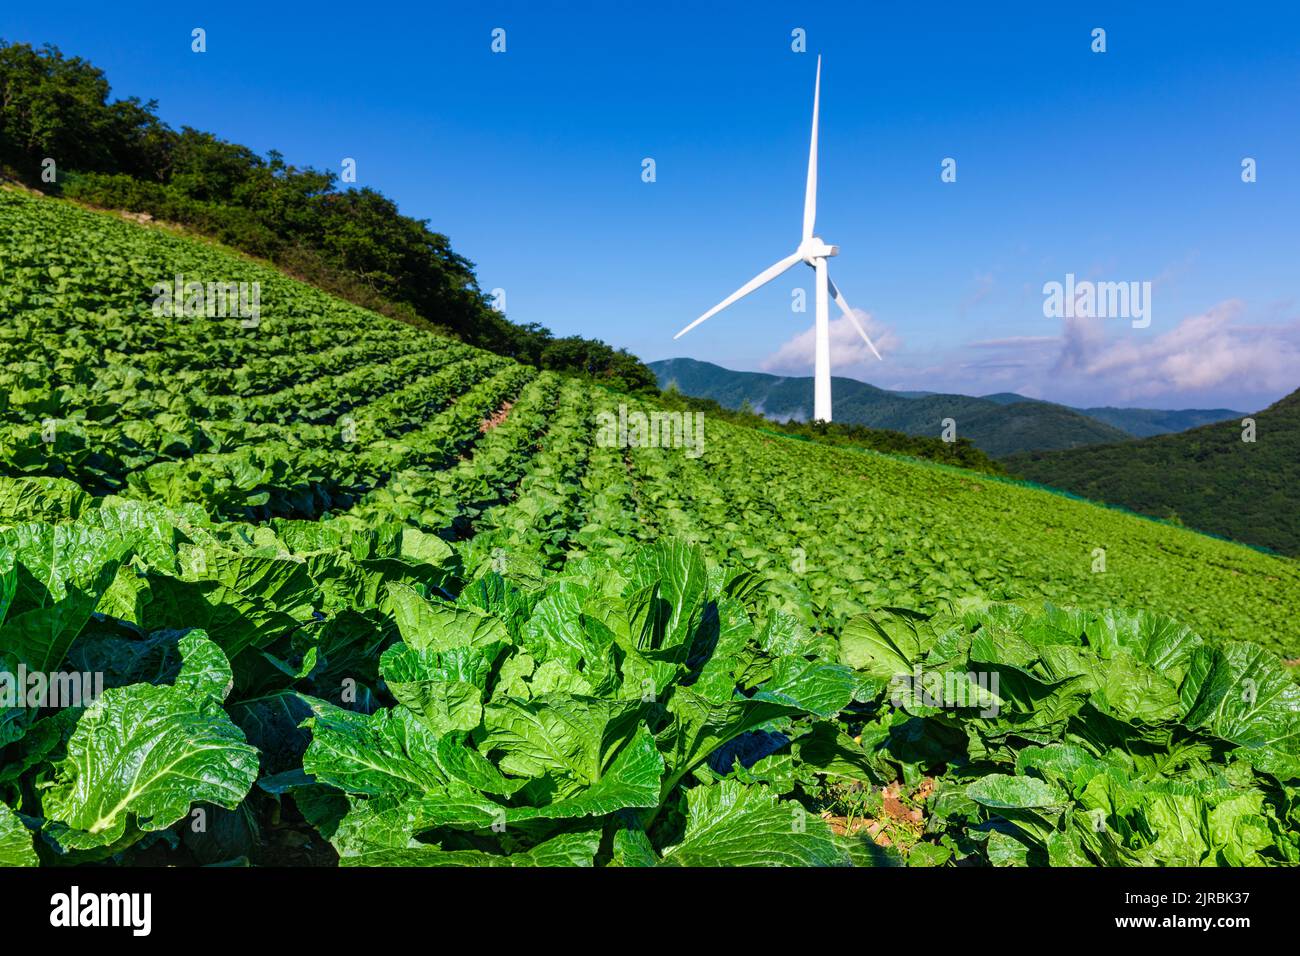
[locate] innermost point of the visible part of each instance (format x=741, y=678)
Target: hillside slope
x=362, y=594
x=239, y=421
x=1209, y=478
x=994, y=427
x=353, y=241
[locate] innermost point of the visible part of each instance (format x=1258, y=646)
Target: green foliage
x=1207, y=478
x=143, y=754
x=15, y=842
x=57, y=106
x=1111, y=744
x=648, y=710
x=616, y=369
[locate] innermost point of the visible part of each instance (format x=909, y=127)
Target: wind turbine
x=814, y=252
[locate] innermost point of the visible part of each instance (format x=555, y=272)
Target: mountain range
x=1001, y=424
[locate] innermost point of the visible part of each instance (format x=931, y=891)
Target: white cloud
x=1206, y=352
x=795, y=356
x=1215, y=358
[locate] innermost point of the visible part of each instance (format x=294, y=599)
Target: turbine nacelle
x=812, y=249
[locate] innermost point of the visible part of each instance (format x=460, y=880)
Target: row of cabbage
x=322, y=408
x=351, y=681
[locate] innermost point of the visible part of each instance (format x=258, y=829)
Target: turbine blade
x=763, y=278
x=844, y=307
x=810, y=194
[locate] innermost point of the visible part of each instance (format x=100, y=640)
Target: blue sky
x=1123, y=165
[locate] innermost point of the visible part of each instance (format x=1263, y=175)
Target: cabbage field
x=361, y=594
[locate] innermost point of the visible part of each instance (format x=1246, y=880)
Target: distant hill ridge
x=1001, y=424
x=1208, y=478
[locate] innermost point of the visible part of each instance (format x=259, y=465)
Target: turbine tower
x=814, y=252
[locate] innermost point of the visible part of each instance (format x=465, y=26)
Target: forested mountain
x=995, y=428
x=1208, y=478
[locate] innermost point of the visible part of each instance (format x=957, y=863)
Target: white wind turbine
x=815, y=252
